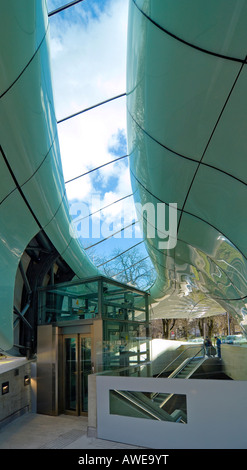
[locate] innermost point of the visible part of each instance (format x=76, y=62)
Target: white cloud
x=88, y=66
x=89, y=60
x=84, y=143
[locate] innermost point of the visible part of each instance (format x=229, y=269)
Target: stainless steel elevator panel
x=47, y=370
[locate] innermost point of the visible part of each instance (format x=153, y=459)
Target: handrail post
x=154, y=395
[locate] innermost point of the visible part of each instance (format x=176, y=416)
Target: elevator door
x=77, y=367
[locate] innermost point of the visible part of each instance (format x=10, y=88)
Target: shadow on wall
x=163, y=352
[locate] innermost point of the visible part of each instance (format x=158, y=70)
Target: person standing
x=218, y=345
x=207, y=344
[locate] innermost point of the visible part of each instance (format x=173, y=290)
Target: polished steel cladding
x=186, y=79
x=32, y=189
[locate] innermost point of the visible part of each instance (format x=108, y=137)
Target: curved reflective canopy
x=187, y=116
x=32, y=192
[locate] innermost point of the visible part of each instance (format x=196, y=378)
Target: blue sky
x=88, y=53
x=88, y=56
x=90, y=9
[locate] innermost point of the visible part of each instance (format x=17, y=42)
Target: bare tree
x=167, y=325
x=130, y=267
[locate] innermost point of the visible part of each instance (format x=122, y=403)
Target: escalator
x=188, y=367
x=161, y=406
x=141, y=405
x=184, y=371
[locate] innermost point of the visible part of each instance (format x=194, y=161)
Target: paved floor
x=34, y=431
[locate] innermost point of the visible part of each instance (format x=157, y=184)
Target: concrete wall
x=217, y=414
x=217, y=409
x=234, y=361
x=18, y=399
x=92, y=406
x=234, y=357
x=163, y=352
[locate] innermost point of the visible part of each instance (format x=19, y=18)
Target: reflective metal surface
x=32, y=190
x=187, y=140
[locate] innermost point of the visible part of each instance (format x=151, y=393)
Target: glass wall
x=122, y=303
x=93, y=298
x=125, y=345
x=121, y=336
x=66, y=302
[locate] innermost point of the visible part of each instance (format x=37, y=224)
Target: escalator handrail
x=185, y=350
x=127, y=395
x=184, y=364
x=179, y=368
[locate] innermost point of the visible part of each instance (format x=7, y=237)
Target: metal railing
x=180, y=355
x=177, y=370
x=185, y=363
